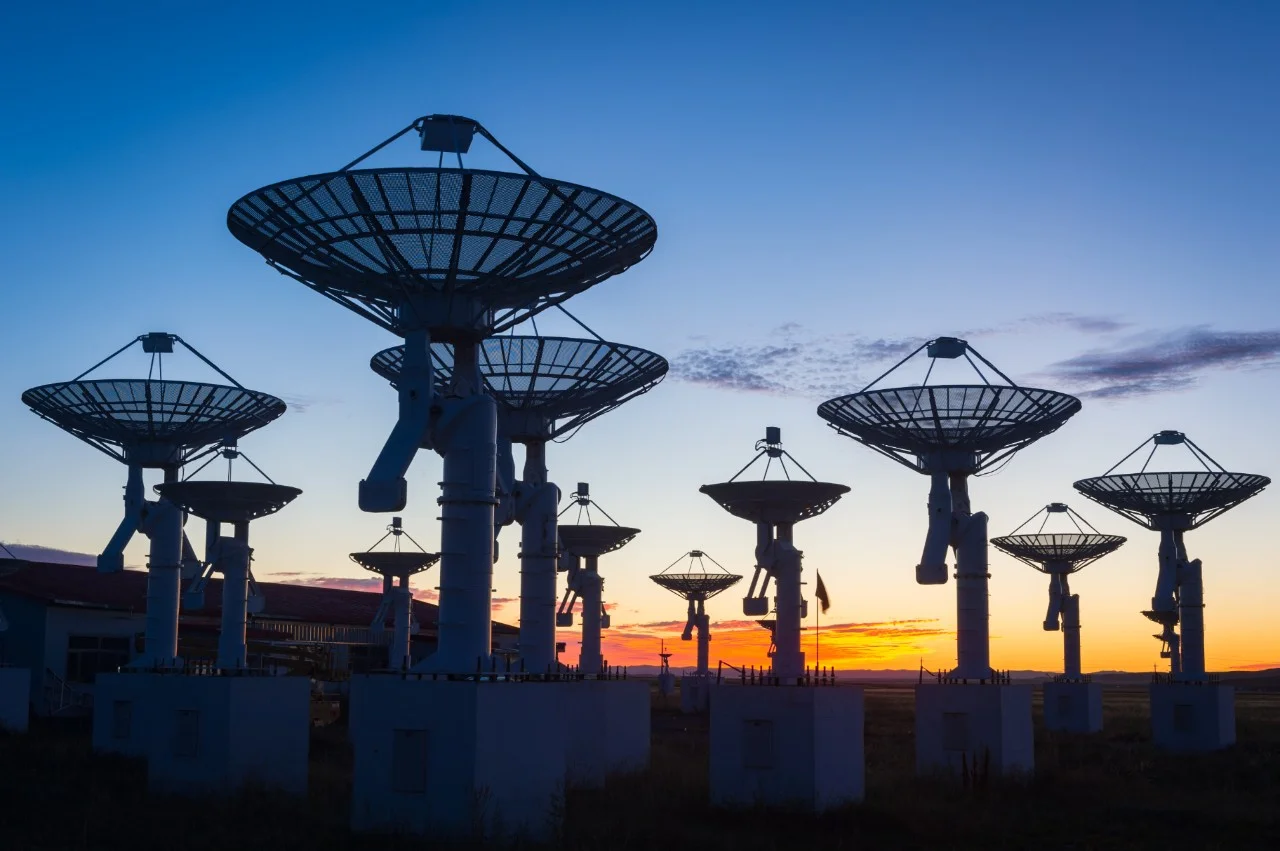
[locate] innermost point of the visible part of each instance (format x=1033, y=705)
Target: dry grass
x=1106, y=791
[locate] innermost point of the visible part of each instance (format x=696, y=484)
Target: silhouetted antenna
x=1173, y=503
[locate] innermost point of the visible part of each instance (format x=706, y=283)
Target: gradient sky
x=1087, y=191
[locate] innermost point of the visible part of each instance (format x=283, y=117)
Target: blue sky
x=1088, y=191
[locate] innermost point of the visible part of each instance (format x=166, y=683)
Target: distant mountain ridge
x=1269, y=678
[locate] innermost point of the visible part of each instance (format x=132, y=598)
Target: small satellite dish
x=775, y=506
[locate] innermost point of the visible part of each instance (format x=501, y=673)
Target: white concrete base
x=122, y=704
x=220, y=734
x=1073, y=707
x=15, y=699
x=608, y=729
x=1193, y=717
x=695, y=693
x=457, y=760
x=787, y=746
x=959, y=726
x=666, y=684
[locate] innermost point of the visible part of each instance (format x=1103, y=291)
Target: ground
x=1089, y=792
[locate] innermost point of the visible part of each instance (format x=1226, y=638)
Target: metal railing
x=750, y=675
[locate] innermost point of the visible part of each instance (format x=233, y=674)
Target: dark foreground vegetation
x=1109, y=791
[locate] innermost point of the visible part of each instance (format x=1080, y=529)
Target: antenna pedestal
x=957, y=726
x=233, y=561
x=161, y=521
x=536, y=513
x=787, y=747
x=1073, y=706
x=590, y=589
x=466, y=434
x=415, y=736
x=973, y=645
x=1192, y=717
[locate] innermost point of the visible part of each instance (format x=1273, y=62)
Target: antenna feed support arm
x=932, y=569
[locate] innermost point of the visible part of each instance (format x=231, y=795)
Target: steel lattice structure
x=700, y=585
x=376, y=239
x=229, y=502
x=152, y=422
x=1074, y=549
x=1201, y=495
x=561, y=383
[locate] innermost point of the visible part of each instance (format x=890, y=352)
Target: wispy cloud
x=345, y=583
x=299, y=404
x=52, y=555
x=792, y=361
x=1166, y=362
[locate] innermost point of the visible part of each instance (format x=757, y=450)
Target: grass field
x=1107, y=791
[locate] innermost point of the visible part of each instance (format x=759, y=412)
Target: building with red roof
x=67, y=623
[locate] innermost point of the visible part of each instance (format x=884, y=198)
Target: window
x=90, y=655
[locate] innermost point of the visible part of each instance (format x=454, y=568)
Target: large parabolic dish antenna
x=1173, y=503
x=986, y=421
x=385, y=242
x=444, y=254
x=545, y=386
x=951, y=432
x=151, y=422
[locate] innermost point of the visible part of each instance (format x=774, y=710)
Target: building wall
x=62, y=623
x=22, y=644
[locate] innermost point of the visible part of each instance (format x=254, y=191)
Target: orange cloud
x=877, y=644
x=1257, y=666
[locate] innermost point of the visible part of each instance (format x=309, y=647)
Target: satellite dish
x=452, y=255
x=775, y=506
x=396, y=566
x=235, y=503
x=1174, y=503
x=694, y=582
x=583, y=544
x=1060, y=554
x=154, y=422
x=950, y=432
x=151, y=423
